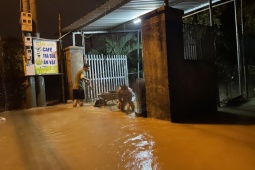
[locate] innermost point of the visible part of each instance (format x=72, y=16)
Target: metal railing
x=198, y=43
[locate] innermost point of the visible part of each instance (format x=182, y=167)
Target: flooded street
x=89, y=138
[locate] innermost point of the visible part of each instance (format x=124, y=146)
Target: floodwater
x=89, y=138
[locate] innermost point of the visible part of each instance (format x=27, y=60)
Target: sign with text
x=45, y=56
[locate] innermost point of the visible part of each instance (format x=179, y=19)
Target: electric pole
x=33, y=10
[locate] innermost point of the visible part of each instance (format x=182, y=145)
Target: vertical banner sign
x=45, y=56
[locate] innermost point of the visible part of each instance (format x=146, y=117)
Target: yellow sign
x=45, y=56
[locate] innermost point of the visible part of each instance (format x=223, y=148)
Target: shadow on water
x=36, y=150
x=243, y=114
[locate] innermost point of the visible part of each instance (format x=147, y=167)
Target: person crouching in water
x=126, y=97
x=78, y=87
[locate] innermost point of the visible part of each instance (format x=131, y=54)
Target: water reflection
x=141, y=150
x=109, y=136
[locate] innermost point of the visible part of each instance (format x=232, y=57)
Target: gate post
x=74, y=62
x=162, y=51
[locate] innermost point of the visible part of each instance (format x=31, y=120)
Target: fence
x=107, y=73
x=198, y=43
x=11, y=75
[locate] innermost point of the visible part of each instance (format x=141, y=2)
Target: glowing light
x=138, y=20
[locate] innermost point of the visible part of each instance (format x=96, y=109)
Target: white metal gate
x=107, y=73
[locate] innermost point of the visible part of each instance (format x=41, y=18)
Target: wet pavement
x=90, y=138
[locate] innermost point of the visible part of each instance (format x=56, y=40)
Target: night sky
x=47, y=12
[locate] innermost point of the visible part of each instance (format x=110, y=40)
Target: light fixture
x=137, y=20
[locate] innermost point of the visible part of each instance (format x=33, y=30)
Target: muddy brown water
x=88, y=138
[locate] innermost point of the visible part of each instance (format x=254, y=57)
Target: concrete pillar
x=162, y=43
x=40, y=92
x=74, y=62
x=30, y=92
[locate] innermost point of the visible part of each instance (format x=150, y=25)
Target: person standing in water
x=78, y=86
